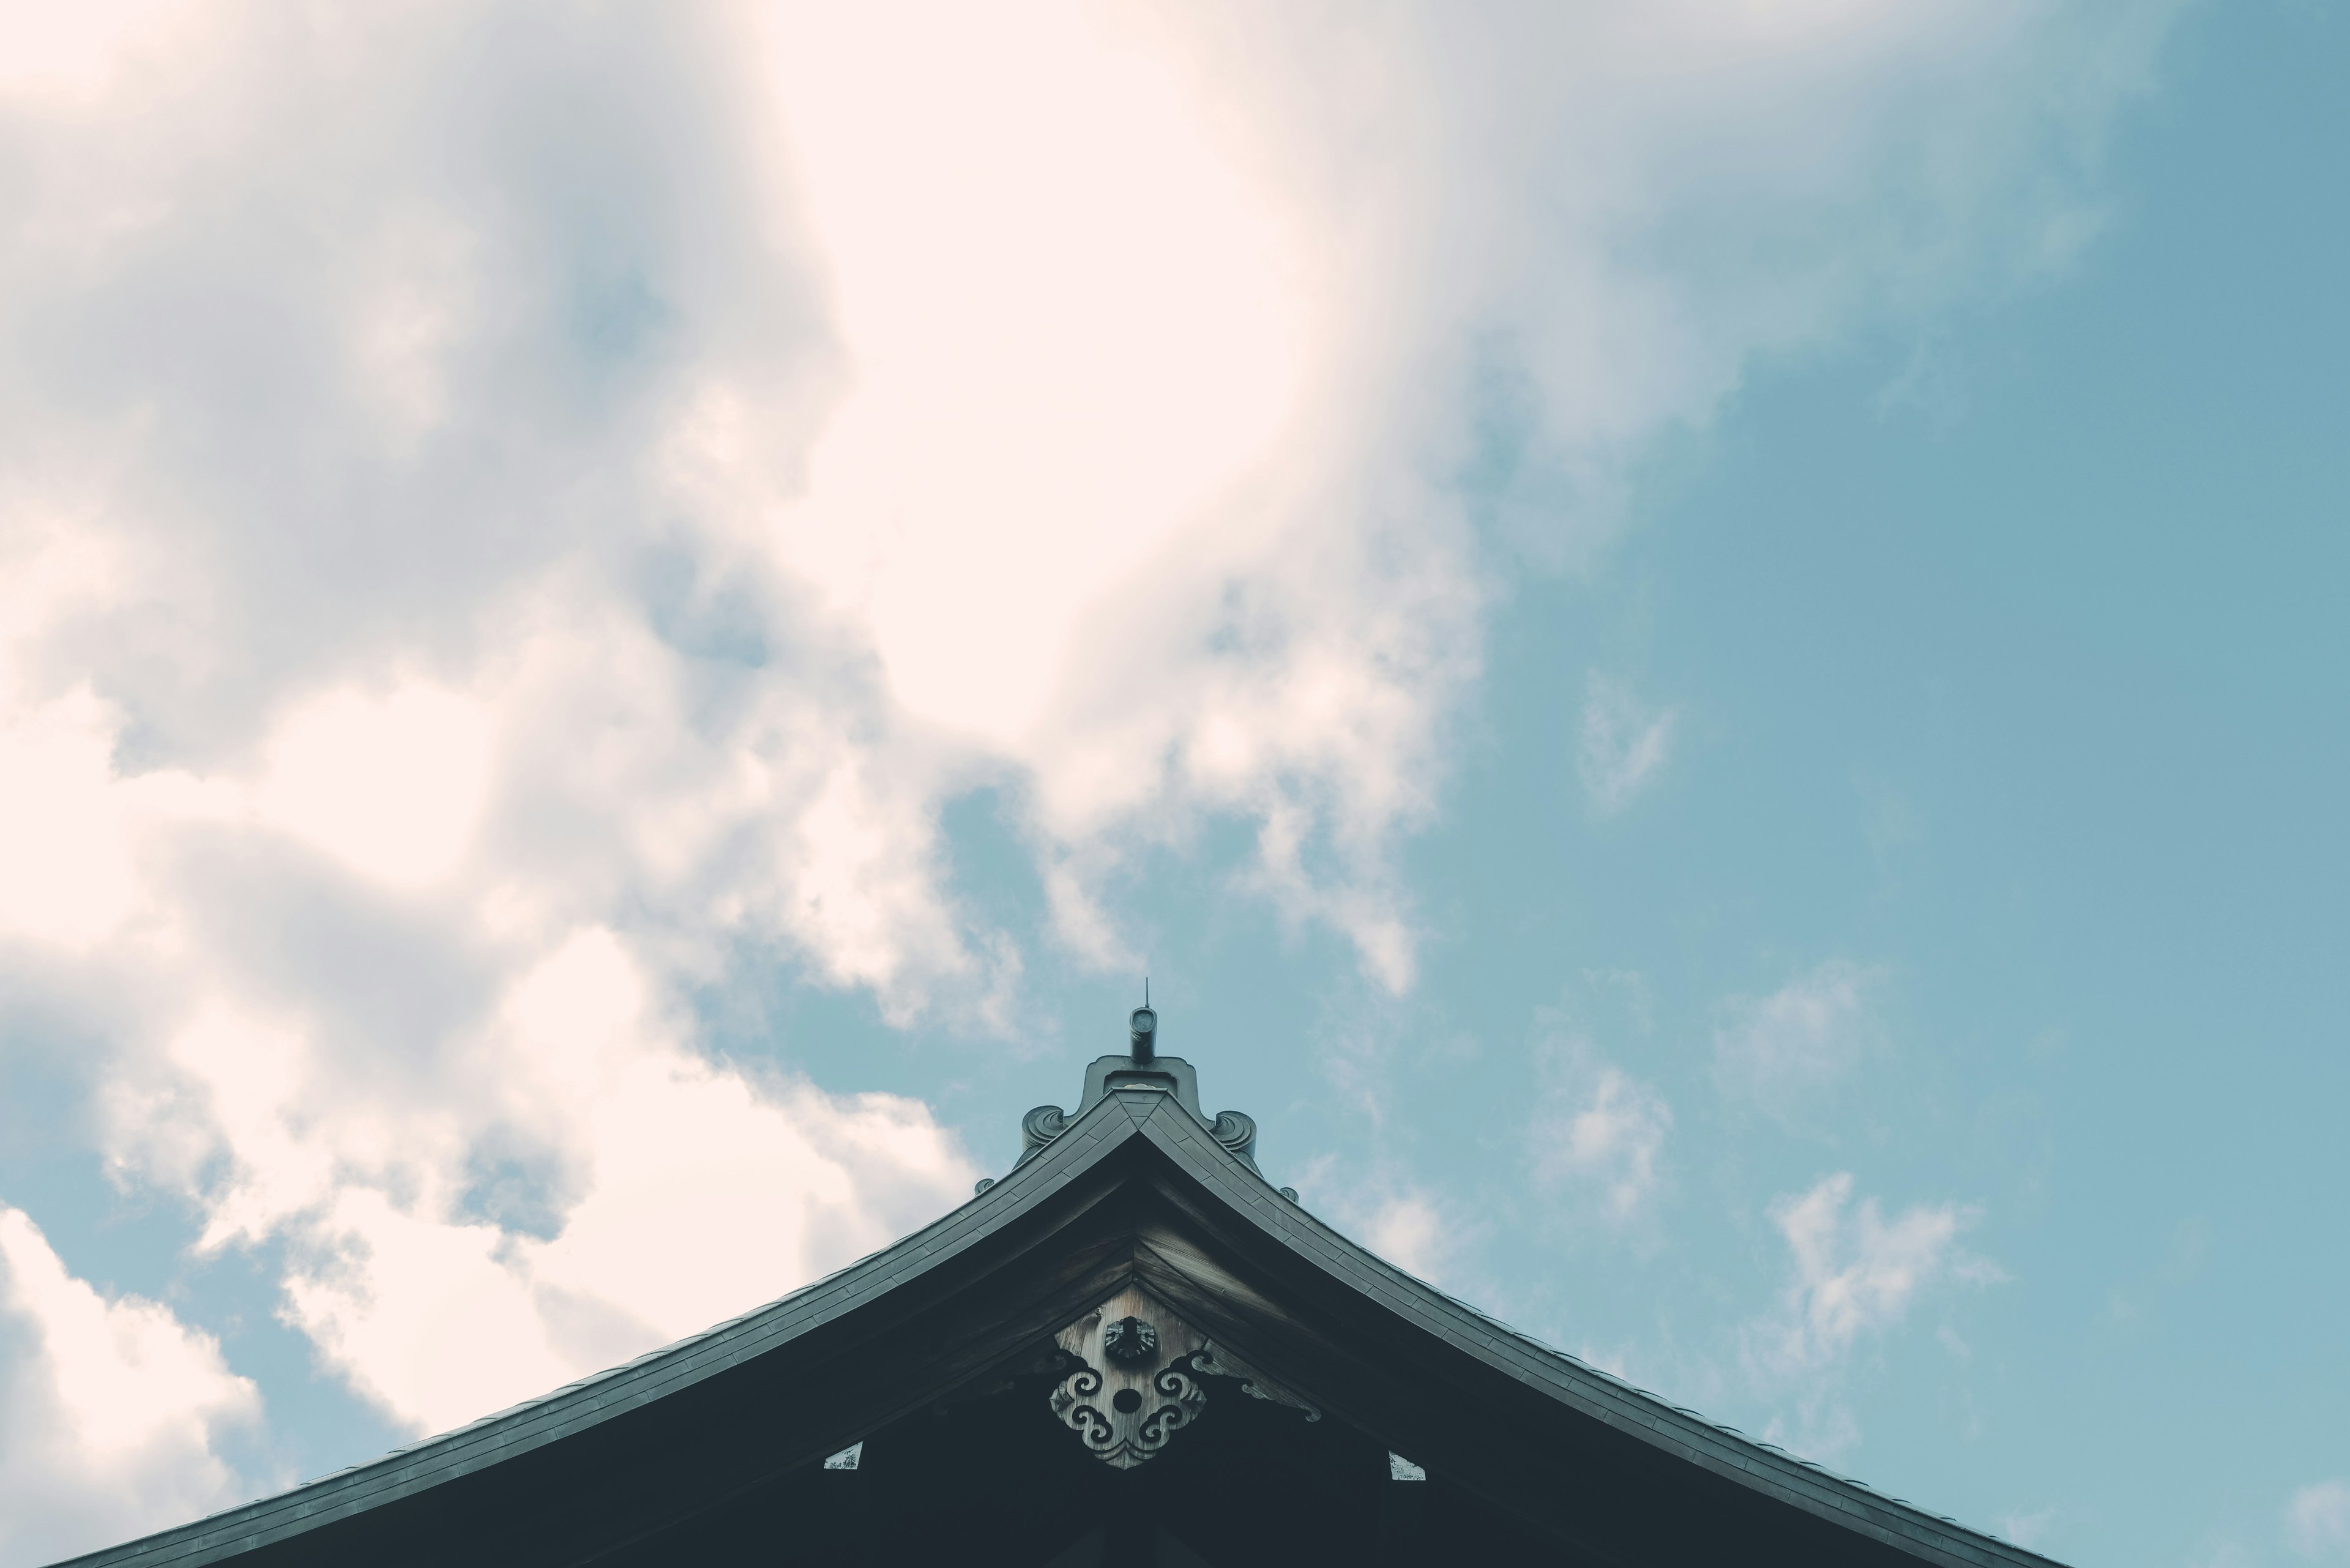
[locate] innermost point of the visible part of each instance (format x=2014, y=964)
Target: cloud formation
x=1855, y=1276
x=1780, y=1050
x=869, y=426
x=2027, y=1529
x=505, y=509
x=573, y=1188
x=109, y=1408
x=1610, y=1139
x=1621, y=746
x=1597, y=1135
x=1409, y=1231
x=2317, y=1520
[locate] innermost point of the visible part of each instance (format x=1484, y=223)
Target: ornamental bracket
x=1134, y=1383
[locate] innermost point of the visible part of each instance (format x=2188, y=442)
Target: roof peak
x=951, y=1310
x=1106, y=1076
x=1141, y=1069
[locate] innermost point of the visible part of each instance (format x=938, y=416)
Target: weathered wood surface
x=1130, y=1387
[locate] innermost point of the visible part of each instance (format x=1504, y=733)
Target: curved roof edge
x=1597, y=1392
x=1117, y=1117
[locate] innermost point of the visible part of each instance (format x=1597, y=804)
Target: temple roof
x=1138, y=1190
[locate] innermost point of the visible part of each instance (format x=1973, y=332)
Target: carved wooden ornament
x=1134, y=1383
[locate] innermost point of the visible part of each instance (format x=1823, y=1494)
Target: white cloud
x=1622, y=744
x=395, y=785
x=487, y=495
x=1616, y=1362
x=2317, y=1520
x=1124, y=330
x=1782, y=1050
x=2028, y=1529
x=649, y=1194
x=65, y=873
x=1107, y=452
x=1410, y=1229
x=1855, y=1273
x=110, y=1409
x=1855, y=1276
x=1611, y=1137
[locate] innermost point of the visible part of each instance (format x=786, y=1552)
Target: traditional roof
x=944, y=1349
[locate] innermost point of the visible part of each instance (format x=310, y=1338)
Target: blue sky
x=1695, y=651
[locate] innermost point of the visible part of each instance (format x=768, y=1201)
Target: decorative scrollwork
x=1138, y=1354
x=1184, y=1397
x=1236, y=1130
x=1152, y=1435
x=1041, y=1127
x=1071, y=1403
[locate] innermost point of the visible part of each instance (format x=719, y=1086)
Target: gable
x=723, y=1437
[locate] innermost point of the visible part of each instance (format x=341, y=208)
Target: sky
x=1698, y=645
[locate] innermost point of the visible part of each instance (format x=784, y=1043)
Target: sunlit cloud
x=393, y=786
x=2029, y=1529
x=112, y=1408
x=1611, y=1137
x=1621, y=745
x=1410, y=1232
x=1597, y=1138
x=501, y=511
x=1855, y=1277
x=645, y=1193
x=2318, y=1521
x=1779, y=1051
x=1064, y=347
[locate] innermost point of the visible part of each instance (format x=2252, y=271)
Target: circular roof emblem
x=1129, y=1340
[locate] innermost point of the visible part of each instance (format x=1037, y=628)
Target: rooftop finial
x=1142, y=1028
